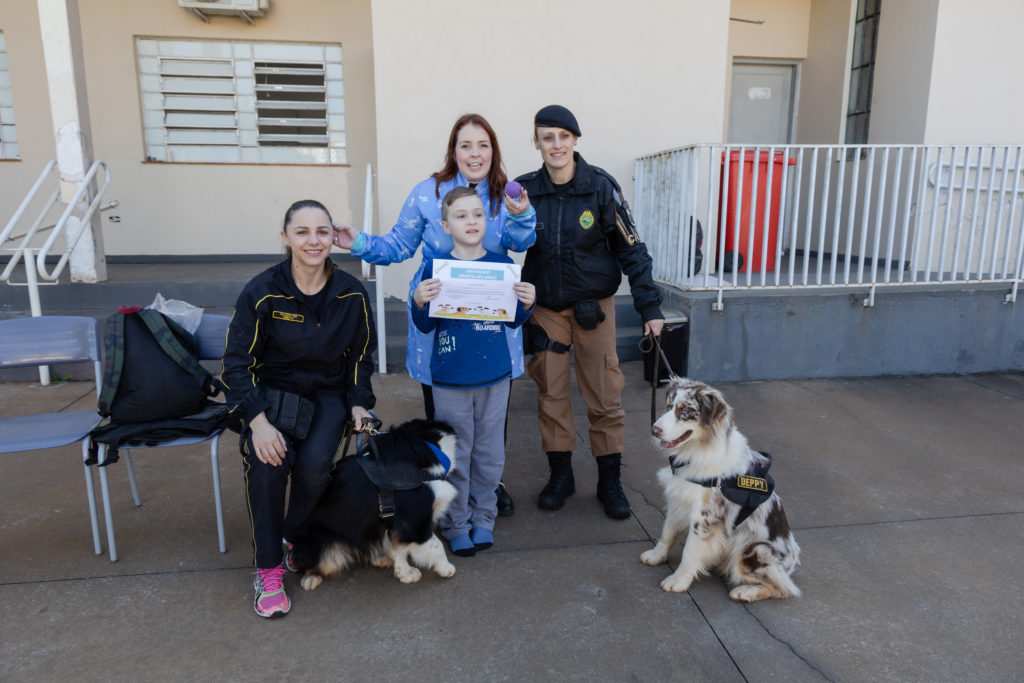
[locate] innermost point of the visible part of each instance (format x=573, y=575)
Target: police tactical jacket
x=276, y=340
x=586, y=242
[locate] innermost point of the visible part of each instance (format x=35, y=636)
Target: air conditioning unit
x=246, y=9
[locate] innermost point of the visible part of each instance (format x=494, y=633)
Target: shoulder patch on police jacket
x=623, y=216
x=289, y=317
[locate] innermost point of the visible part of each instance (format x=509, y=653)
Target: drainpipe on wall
x=65, y=77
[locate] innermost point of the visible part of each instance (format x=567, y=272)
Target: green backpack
x=151, y=369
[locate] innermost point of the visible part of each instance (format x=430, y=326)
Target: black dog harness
x=748, y=490
x=395, y=476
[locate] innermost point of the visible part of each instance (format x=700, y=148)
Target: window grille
x=862, y=71
x=8, y=136
x=241, y=102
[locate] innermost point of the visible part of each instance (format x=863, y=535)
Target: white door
x=762, y=104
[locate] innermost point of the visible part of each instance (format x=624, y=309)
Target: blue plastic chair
x=52, y=340
x=211, y=337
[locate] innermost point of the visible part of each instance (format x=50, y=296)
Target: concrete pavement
x=904, y=494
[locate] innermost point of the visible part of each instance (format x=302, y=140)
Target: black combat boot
x=561, y=485
x=609, y=488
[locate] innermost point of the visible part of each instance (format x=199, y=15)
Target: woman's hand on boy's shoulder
x=344, y=236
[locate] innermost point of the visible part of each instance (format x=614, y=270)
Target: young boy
x=471, y=371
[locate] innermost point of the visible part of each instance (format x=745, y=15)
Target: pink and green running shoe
x=271, y=600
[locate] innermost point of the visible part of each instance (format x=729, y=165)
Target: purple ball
x=513, y=189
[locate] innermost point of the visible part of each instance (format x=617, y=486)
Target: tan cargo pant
x=597, y=373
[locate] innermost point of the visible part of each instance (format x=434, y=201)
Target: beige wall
x=782, y=37
x=19, y=20
x=639, y=81
x=192, y=209
x=975, y=94
x=903, y=71
x=825, y=74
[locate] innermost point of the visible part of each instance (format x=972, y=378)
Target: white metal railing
x=846, y=216
x=34, y=257
x=377, y=276
x=59, y=229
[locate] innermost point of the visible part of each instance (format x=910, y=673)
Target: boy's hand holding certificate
x=474, y=290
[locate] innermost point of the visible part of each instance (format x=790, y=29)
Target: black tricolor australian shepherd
x=721, y=498
x=381, y=506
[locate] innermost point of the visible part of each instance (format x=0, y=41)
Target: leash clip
x=368, y=425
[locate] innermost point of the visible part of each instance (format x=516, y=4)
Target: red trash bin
x=736, y=236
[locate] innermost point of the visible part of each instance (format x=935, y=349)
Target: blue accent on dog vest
x=442, y=458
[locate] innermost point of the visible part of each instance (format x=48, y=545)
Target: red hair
x=496, y=177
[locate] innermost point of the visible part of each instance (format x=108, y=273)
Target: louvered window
x=862, y=71
x=8, y=138
x=237, y=102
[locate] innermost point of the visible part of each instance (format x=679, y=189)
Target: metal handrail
x=22, y=250
x=5, y=235
x=857, y=217
x=28, y=199
x=83, y=222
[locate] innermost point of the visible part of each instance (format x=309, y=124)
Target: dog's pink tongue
x=684, y=437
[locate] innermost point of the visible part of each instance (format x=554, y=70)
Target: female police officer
x=586, y=241
x=297, y=363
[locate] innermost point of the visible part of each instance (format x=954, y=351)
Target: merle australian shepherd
x=359, y=522
x=710, y=468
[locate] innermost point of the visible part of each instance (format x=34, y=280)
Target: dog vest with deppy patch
x=748, y=490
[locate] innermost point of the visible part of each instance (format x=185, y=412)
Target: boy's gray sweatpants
x=478, y=417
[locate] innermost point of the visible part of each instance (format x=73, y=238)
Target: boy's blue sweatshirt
x=467, y=354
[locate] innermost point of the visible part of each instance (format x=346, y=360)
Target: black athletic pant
x=308, y=463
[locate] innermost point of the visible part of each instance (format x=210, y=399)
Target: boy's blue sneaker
x=482, y=538
x=462, y=546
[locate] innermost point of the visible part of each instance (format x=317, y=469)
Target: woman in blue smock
x=473, y=159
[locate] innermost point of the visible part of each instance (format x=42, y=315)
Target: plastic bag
x=181, y=312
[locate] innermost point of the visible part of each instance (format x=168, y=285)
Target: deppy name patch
x=752, y=483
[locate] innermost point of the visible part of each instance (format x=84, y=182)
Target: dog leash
x=655, y=343
x=369, y=425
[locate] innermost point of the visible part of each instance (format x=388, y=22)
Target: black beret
x=557, y=116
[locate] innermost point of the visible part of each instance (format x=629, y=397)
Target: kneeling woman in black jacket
x=297, y=363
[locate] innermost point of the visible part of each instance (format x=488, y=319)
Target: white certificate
x=474, y=290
